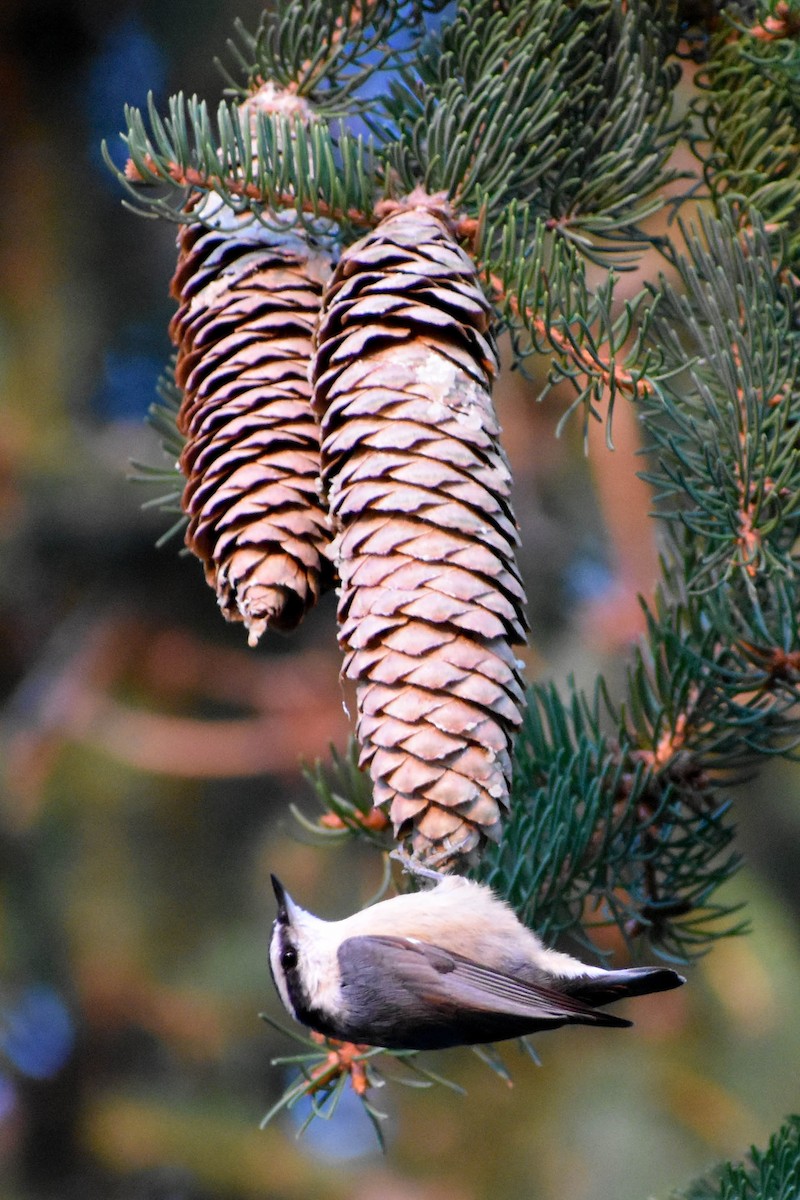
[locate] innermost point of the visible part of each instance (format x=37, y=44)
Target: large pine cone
x=418, y=490
x=249, y=300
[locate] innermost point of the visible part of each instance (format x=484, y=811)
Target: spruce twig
x=746, y=115
x=769, y=1174
x=715, y=684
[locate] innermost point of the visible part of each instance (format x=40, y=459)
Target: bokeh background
x=149, y=758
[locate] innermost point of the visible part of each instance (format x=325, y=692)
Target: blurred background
x=149, y=758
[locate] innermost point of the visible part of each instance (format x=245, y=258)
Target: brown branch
x=190, y=177
x=465, y=228
x=611, y=375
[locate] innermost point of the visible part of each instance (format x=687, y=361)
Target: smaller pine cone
x=249, y=300
x=418, y=490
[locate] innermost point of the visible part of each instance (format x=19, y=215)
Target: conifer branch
x=482, y=110
x=519, y=105
x=769, y=1174
x=565, y=175
x=620, y=128
x=539, y=287
x=262, y=162
x=163, y=418
x=325, y=51
x=734, y=423
x=545, y=132
x=746, y=117
x=715, y=685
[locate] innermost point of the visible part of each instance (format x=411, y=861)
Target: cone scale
x=418, y=489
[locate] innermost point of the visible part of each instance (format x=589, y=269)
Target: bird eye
x=289, y=958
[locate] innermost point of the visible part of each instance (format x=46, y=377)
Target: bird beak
x=285, y=902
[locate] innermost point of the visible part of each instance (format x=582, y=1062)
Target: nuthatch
x=450, y=966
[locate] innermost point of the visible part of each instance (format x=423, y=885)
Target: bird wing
x=426, y=991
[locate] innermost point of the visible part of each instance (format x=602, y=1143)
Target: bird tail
x=597, y=990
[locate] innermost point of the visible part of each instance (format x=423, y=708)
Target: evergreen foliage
x=326, y=52
x=163, y=416
x=725, y=441
x=746, y=115
x=190, y=151
x=577, y=128
x=559, y=177
x=634, y=818
x=771, y=1174
x=551, y=128
x=547, y=305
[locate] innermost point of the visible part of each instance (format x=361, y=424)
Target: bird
x=448, y=966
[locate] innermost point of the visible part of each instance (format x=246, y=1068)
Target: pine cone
x=418, y=490
x=249, y=299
